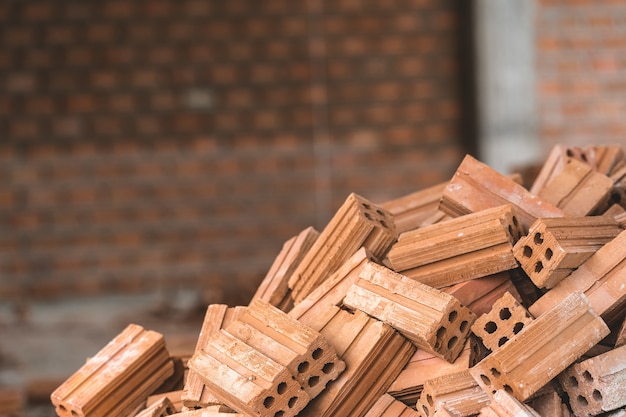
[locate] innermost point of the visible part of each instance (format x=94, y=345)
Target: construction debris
x=476, y=297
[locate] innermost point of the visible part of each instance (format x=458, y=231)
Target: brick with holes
x=504, y=404
x=409, y=211
x=542, y=349
x=357, y=223
x=479, y=294
x=118, y=378
x=388, y=406
x=408, y=386
x=303, y=351
x=195, y=392
x=374, y=354
x=578, y=190
x=602, y=278
x=457, y=250
x=457, y=392
x=555, y=163
x=506, y=319
x=245, y=379
x=333, y=290
x=475, y=186
x=432, y=319
x=555, y=247
x=596, y=385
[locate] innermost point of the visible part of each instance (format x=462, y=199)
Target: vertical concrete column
x=504, y=41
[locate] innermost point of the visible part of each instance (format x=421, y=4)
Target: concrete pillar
x=505, y=78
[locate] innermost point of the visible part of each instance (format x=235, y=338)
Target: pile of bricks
x=477, y=297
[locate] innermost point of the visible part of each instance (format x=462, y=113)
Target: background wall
x=161, y=144
x=155, y=145
x=581, y=71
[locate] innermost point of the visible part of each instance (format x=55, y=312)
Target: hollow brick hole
x=538, y=238
x=463, y=326
x=528, y=251
x=441, y=332
x=281, y=388
x=485, y=379
x=268, y=401
x=328, y=367
x=452, y=342
x=317, y=353
x=549, y=253
x=292, y=402
x=303, y=367
x=597, y=395
x=452, y=316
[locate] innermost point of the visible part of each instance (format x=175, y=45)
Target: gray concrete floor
x=47, y=341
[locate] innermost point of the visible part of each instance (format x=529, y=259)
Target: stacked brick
x=351, y=335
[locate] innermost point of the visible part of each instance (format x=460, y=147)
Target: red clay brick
x=67, y=126
x=18, y=36
x=21, y=82
x=118, y=9
x=142, y=32
x=60, y=35
x=79, y=56
x=81, y=103
x=101, y=32
x=24, y=129
x=38, y=11
x=39, y=105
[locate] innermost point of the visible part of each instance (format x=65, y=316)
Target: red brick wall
x=167, y=143
x=581, y=71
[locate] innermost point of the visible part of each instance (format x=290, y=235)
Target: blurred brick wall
x=178, y=143
x=581, y=71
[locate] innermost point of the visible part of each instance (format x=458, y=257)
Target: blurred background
x=155, y=155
